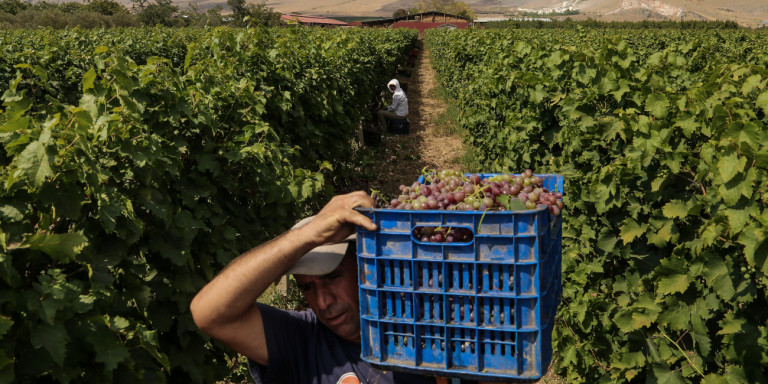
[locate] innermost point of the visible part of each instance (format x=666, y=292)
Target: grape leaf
x=731, y=324
x=52, y=337
x=673, y=283
x=657, y=104
x=5, y=324
x=717, y=277
x=675, y=209
x=755, y=242
x=511, y=204
x=713, y=378
x=111, y=351
x=12, y=212
x=762, y=102
x=749, y=133
x=738, y=217
x=35, y=162
x=606, y=241
x=664, y=375
x=631, y=230
x=750, y=84
x=729, y=166
x=88, y=79
x=61, y=247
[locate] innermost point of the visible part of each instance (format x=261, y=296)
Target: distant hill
x=745, y=12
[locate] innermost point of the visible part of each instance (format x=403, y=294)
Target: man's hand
x=337, y=220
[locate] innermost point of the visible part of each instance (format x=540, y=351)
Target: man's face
x=392, y=87
x=335, y=299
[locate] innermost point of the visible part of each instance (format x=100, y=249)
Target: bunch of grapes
x=450, y=190
x=443, y=234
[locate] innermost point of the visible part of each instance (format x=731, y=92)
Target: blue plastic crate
x=482, y=309
x=400, y=127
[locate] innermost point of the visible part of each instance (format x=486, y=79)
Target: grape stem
x=703, y=190
x=695, y=368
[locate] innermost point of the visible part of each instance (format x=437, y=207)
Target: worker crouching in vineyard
x=398, y=109
x=321, y=345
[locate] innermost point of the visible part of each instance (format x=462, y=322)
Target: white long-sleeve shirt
x=399, y=101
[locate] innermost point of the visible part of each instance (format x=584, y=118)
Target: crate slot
x=396, y=273
x=496, y=312
x=497, y=278
x=397, y=305
x=463, y=348
x=430, y=308
x=429, y=275
x=499, y=351
x=431, y=346
x=461, y=277
x=461, y=310
x=399, y=341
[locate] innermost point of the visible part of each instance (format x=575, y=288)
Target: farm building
x=312, y=21
x=422, y=21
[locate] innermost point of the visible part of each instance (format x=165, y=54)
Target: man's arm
x=225, y=307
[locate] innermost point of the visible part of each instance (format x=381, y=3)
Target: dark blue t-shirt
x=303, y=350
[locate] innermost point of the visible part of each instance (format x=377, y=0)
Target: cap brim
x=323, y=259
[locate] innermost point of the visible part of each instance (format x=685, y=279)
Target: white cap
x=323, y=259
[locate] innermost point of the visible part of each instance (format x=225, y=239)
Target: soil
x=400, y=159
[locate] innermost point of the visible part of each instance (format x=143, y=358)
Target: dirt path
x=401, y=158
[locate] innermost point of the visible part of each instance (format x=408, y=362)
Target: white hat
x=323, y=259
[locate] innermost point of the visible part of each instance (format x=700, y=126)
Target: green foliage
x=458, y=8
x=254, y=14
x=105, y=7
x=161, y=12
x=135, y=169
x=95, y=14
x=661, y=138
x=13, y=7
x=400, y=12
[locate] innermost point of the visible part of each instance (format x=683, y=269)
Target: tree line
x=110, y=13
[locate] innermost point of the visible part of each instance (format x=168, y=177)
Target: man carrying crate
x=317, y=346
x=322, y=345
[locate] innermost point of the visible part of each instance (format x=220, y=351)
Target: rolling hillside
x=746, y=12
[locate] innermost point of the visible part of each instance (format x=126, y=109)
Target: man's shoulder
x=271, y=313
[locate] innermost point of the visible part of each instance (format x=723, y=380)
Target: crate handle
x=442, y=234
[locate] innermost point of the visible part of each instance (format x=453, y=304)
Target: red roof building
x=313, y=21
x=422, y=21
